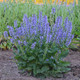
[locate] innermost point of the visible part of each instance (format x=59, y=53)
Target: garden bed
x=9, y=70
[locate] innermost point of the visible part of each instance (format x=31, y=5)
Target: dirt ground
x=9, y=70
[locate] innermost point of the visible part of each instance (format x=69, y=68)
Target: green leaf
x=29, y=68
x=64, y=63
x=5, y=44
x=39, y=71
x=31, y=58
x=44, y=69
x=63, y=54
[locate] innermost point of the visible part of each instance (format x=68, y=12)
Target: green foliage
x=39, y=64
x=5, y=44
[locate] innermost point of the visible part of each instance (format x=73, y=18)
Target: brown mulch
x=9, y=70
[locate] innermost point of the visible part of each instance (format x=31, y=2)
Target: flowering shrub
x=41, y=47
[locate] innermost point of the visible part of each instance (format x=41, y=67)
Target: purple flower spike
x=53, y=10
x=52, y=57
x=33, y=45
x=19, y=42
x=5, y=34
x=25, y=43
x=15, y=23
x=47, y=59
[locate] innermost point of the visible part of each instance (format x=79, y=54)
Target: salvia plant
x=41, y=47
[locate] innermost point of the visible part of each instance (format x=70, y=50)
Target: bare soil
x=9, y=70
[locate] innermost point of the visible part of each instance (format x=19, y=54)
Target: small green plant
x=5, y=44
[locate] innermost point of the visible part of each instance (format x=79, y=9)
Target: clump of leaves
x=5, y=44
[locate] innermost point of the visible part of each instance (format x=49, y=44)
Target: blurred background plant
x=10, y=11
x=43, y=1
